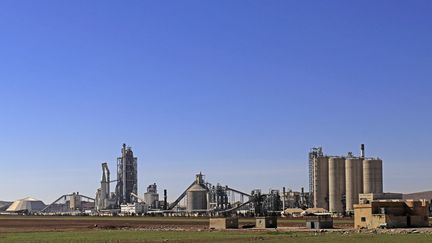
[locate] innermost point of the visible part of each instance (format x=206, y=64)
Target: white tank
x=321, y=182
x=372, y=176
x=336, y=184
x=353, y=181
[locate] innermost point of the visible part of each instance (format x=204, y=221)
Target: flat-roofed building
x=391, y=214
x=369, y=197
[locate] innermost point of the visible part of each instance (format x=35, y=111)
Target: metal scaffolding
x=313, y=154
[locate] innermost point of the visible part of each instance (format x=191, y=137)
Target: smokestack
x=362, y=150
x=165, y=200
x=283, y=198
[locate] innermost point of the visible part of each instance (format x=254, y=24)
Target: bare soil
x=58, y=223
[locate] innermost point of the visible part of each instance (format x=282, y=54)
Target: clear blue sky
x=240, y=90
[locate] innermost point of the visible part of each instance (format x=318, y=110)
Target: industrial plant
x=200, y=198
x=338, y=186
x=127, y=182
x=119, y=196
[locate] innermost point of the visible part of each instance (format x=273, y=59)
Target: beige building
x=391, y=214
x=223, y=223
x=365, y=198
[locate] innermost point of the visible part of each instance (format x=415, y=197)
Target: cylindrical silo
x=197, y=198
x=321, y=181
x=372, y=176
x=336, y=184
x=353, y=181
x=379, y=177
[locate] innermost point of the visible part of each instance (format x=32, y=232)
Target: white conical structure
x=27, y=204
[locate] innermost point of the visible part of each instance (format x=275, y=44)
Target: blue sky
x=240, y=90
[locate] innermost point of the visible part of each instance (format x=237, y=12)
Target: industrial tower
x=127, y=176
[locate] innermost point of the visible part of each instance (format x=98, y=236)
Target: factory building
x=202, y=198
x=127, y=176
x=127, y=182
x=73, y=203
x=365, y=198
x=391, y=214
x=292, y=199
x=335, y=182
x=151, y=197
x=104, y=198
x=133, y=209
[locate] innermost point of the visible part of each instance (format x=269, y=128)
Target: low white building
x=133, y=208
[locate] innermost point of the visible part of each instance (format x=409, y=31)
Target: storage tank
x=336, y=184
x=372, y=176
x=321, y=182
x=197, y=198
x=151, y=197
x=353, y=181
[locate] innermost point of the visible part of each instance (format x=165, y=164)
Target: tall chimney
x=283, y=198
x=165, y=200
x=362, y=150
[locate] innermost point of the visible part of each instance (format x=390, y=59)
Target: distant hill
x=4, y=205
x=418, y=195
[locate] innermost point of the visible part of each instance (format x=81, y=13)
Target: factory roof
x=293, y=210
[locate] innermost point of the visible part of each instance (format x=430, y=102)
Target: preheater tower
x=127, y=176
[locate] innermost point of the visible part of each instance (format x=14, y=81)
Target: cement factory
x=335, y=182
x=339, y=186
x=200, y=198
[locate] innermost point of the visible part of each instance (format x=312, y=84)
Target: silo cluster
x=338, y=180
